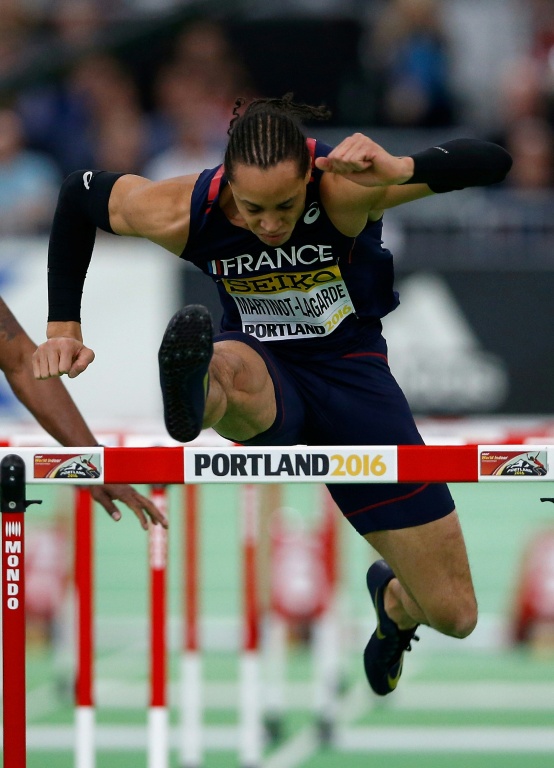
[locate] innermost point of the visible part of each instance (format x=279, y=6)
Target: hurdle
x=197, y=465
x=250, y=740
x=158, y=718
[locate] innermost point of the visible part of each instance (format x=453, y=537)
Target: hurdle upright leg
x=251, y=731
x=12, y=488
x=158, y=716
x=191, y=663
x=84, y=589
x=326, y=642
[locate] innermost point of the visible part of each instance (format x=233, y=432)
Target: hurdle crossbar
x=328, y=464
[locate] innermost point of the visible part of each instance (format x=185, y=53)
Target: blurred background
x=147, y=87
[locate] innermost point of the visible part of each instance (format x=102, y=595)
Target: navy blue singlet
x=320, y=286
x=311, y=309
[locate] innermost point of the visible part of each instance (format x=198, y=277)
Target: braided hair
x=269, y=132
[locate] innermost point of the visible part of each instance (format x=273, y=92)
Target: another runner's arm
x=54, y=409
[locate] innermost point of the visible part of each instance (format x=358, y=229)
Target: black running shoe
x=184, y=357
x=384, y=653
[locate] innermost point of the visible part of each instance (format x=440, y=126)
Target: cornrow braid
x=269, y=132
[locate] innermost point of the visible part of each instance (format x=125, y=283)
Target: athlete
x=290, y=231
x=53, y=408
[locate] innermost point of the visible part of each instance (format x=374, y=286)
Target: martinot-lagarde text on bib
x=285, y=305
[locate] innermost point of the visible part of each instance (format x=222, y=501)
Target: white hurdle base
x=84, y=737
x=191, y=745
x=158, y=737
x=251, y=729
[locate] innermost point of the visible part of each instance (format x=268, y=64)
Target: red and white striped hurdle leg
x=251, y=728
x=191, y=746
x=84, y=590
x=13, y=639
x=12, y=507
x=158, y=716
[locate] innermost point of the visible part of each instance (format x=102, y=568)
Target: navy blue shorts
x=350, y=399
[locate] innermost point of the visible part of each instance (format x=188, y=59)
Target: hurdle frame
x=196, y=465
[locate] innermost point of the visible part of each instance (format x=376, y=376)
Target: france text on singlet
x=284, y=305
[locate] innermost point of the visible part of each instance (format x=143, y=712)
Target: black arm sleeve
x=460, y=163
x=82, y=207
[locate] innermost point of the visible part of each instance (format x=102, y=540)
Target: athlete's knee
x=238, y=369
x=241, y=401
x=457, y=618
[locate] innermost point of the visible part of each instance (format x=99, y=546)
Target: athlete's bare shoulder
x=156, y=210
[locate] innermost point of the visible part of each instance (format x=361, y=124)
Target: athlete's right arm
x=158, y=211
x=122, y=204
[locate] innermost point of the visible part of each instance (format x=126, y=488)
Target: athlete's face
x=271, y=201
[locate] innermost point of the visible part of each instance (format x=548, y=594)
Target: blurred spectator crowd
x=82, y=84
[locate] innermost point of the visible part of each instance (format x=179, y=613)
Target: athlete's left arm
x=384, y=181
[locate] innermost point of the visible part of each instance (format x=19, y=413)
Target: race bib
x=281, y=305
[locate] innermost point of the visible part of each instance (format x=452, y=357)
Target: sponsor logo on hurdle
x=529, y=464
x=12, y=563
x=348, y=465
x=56, y=466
